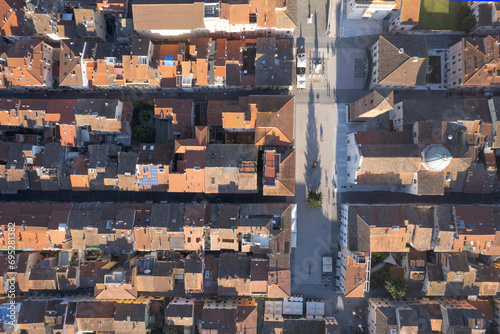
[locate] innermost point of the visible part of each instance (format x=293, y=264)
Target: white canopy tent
x=293, y=308
x=315, y=310
x=294, y=225
x=273, y=311
x=327, y=264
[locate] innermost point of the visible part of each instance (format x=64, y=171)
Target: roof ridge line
x=395, y=46
x=403, y=63
x=284, y=186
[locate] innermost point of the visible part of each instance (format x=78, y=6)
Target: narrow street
x=198, y=95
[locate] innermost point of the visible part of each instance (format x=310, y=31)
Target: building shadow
x=300, y=41
x=312, y=167
x=316, y=40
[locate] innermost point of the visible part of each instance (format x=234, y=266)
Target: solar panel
x=152, y=180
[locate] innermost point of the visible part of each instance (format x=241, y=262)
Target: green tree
x=468, y=23
x=144, y=134
x=378, y=257
x=378, y=278
x=314, y=199
x=145, y=115
x=396, y=286
x=170, y=329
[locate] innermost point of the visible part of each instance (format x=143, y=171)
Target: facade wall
x=369, y=11
x=233, y=32
x=354, y=158
x=47, y=65
x=395, y=26
x=396, y=116
x=100, y=26
x=374, y=52
x=454, y=66
x=484, y=29
x=344, y=209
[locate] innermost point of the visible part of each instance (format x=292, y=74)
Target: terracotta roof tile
x=168, y=16
x=68, y=135
x=13, y=22
x=410, y=12
x=275, y=120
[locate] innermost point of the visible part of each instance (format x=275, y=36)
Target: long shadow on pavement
x=312, y=166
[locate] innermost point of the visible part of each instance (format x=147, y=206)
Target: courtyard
x=441, y=14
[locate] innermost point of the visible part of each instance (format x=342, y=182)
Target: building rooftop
x=234, y=265
x=273, y=62
x=176, y=15
x=227, y=155
x=130, y=312
x=402, y=60
x=439, y=109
